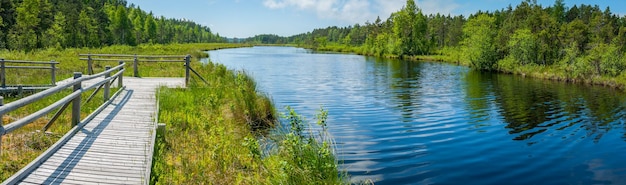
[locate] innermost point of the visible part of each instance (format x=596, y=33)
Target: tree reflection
x=478, y=90
x=531, y=107
x=403, y=80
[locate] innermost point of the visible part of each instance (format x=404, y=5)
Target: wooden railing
x=73, y=98
x=26, y=65
x=91, y=58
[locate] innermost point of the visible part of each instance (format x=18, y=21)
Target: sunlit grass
x=25, y=144
x=212, y=136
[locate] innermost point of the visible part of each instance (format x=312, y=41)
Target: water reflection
x=402, y=122
x=531, y=107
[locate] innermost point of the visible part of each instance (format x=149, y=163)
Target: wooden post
x=107, y=84
x=120, y=83
x=187, y=61
x=135, y=70
x=53, y=76
x=20, y=91
x=161, y=130
x=3, y=76
x=89, y=64
x=76, y=101
x=1, y=123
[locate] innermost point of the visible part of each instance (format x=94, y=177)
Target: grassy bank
x=25, y=144
x=212, y=137
x=559, y=72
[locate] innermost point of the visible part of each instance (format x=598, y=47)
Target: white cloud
x=444, y=7
x=346, y=10
x=389, y=6
x=359, y=11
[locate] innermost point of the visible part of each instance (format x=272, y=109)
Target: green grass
x=455, y=56
x=25, y=144
x=213, y=136
x=214, y=132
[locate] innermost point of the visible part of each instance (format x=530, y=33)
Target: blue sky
x=246, y=18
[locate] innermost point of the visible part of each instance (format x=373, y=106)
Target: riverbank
x=212, y=136
x=506, y=66
x=22, y=146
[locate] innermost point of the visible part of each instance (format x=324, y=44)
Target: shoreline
x=533, y=71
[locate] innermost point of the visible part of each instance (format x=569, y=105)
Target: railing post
x=135, y=70
x=120, y=81
x=187, y=61
x=107, y=84
x=3, y=76
x=89, y=64
x=20, y=90
x=76, y=101
x=53, y=76
x=1, y=123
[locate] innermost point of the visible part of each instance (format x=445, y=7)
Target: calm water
x=399, y=122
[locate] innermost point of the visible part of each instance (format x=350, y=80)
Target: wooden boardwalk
x=113, y=148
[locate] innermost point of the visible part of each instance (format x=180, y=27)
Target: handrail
x=138, y=56
x=3, y=68
x=30, y=99
x=73, y=97
x=30, y=62
x=136, y=59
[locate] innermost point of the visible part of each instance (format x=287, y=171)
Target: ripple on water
x=401, y=122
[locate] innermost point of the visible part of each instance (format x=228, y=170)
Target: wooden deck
x=113, y=148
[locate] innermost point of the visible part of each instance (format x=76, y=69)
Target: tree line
x=32, y=24
x=580, y=41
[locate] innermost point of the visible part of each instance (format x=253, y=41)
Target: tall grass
x=213, y=136
x=25, y=144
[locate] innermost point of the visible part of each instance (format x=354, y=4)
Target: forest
x=577, y=43
x=31, y=24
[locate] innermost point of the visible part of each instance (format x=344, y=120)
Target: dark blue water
x=401, y=122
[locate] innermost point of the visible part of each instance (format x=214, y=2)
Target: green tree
x=409, y=28
x=55, y=35
x=478, y=43
x=150, y=28
x=523, y=47
x=87, y=29
x=121, y=27
x=23, y=36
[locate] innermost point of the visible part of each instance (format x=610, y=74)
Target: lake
x=404, y=122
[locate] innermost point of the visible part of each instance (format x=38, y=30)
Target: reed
x=25, y=144
x=216, y=134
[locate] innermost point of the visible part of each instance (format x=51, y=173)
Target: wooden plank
x=114, y=144
x=43, y=179
x=119, y=175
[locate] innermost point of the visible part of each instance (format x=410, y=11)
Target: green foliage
x=409, y=27
x=212, y=137
x=523, y=47
x=32, y=24
x=478, y=44
x=25, y=144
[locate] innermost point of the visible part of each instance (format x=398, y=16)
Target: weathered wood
x=3, y=74
x=20, y=90
x=120, y=79
x=30, y=62
x=76, y=101
x=1, y=123
x=135, y=69
x=55, y=117
x=187, y=67
x=138, y=56
x=53, y=76
x=55, y=147
x=115, y=146
x=27, y=67
x=89, y=65
x=107, y=85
